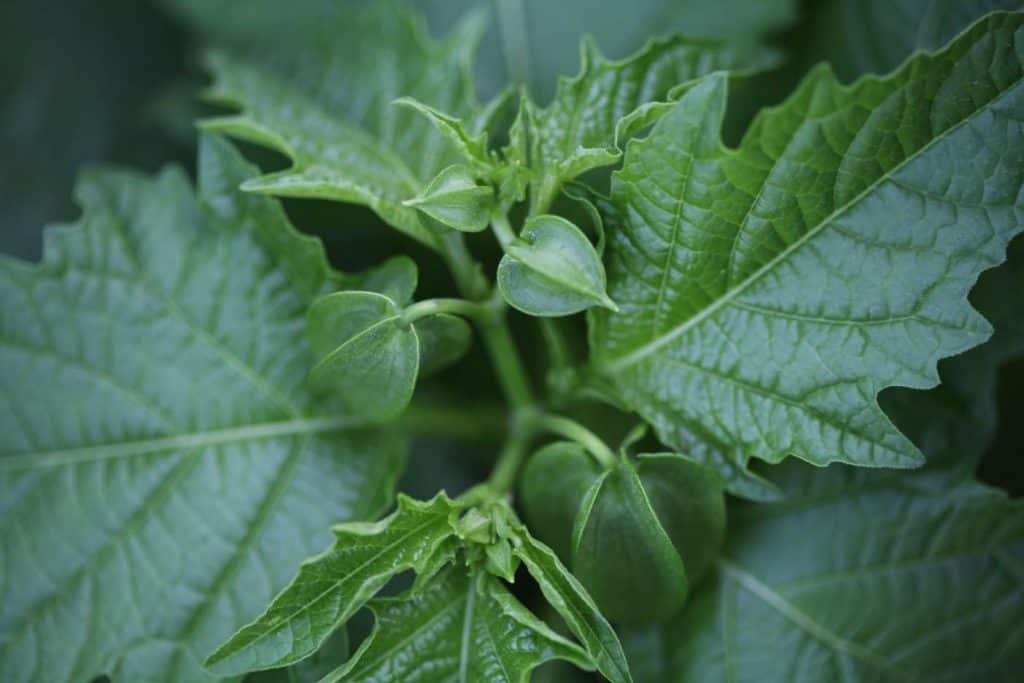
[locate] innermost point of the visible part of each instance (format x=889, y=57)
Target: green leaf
x=455, y=199
x=552, y=270
x=330, y=587
x=461, y=628
x=332, y=654
x=472, y=146
x=623, y=555
x=162, y=468
x=327, y=103
x=395, y=278
x=595, y=112
x=769, y=321
x=860, y=574
x=552, y=487
x=365, y=353
x=444, y=340
x=570, y=599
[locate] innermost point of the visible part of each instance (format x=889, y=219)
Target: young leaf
x=860, y=572
x=330, y=587
x=461, y=628
x=552, y=270
x=473, y=147
x=455, y=199
x=162, y=468
x=576, y=607
x=328, y=104
x=770, y=321
x=594, y=113
x=365, y=353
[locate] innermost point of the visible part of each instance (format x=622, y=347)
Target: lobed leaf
x=769, y=293
x=463, y=627
x=330, y=587
x=162, y=469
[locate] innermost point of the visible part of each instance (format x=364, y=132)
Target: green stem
x=503, y=477
x=573, y=430
x=421, y=309
x=479, y=423
x=503, y=230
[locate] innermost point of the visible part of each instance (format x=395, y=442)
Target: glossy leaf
x=552, y=487
x=461, y=628
x=365, y=353
x=455, y=199
x=163, y=469
x=570, y=599
x=552, y=270
x=623, y=555
x=768, y=294
x=327, y=103
x=330, y=587
x=593, y=114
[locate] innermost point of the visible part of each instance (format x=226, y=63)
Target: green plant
x=195, y=399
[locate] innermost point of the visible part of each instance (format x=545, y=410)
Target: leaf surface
x=570, y=599
x=768, y=294
x=330, y=587
x=162, y=468
x=328, y=104
x=861, y=575
x=461, y=628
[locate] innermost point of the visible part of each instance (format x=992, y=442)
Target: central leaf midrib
x=657, y=343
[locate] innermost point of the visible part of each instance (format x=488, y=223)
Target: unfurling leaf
x=455, y=199
x=463, y=627
x=552, y=270
x=769, y=293
x=365, y=353
x=330, y=587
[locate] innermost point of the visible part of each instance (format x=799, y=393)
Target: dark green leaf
x=570, y=599
x=162, y=468
x=769, y=293
x=623, y=555
x=330, y=587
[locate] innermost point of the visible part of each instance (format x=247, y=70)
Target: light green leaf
x=473, y=146
x=455, y=199
x=595, y=112
x=138, y=411
x=552, y=270
x=769, y=293
x=461, y=628
x=328, y=104
x=330, y=587
x=570, y=599
x=395, y=278
x=860, y=575
x=365, y=353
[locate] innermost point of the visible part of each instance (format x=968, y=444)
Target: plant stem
x=573, y=430
x=469, y=309
x=503, y=477
x=449, y=420
x=502, y=230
